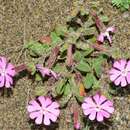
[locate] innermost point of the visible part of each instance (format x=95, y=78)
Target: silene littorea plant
x=72, y=57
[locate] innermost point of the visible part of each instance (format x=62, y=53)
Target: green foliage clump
x=84, y=72
x=122, y=4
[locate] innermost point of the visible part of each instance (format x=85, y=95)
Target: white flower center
x=124, y=72
x=106, y=34
x=98, y=108
x=43, y=111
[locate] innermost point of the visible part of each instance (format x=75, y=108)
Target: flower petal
x=46, y=120
x=39, y=119
x=88, y=111
x=54, y=74
x=51, y=116
x=87, y=106
x=10, y=70
x=115, y=71
x=108, y=106
x=105, y=114
x=123, y=82
x=3, y=62
x=96, y=98
x=33, y=115
x=128, y=77
x=99, y=116
x=123, y=64
x=109, y=38
x=2, y=80
x=53, y=105
x=89, y=101
x=120, y=64
x=34, y=104
x=102, y=99
x=128, y=65
x=48, y=101
x=111, y=29
x=42, y=101
x=118, y=80
x=8, y=82
x=101, y=37
x=92, y=115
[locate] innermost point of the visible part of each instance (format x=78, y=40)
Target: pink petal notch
x=120, y=73
x=102, y=109
x=7, y=72
x=43, y=110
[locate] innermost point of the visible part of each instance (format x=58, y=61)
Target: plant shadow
x=53, y=126
x=9, y=91
x=119, y=91
x=94, y=125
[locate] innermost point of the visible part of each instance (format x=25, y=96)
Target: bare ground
x=21, y=20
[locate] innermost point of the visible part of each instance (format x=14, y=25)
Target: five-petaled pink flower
x=106, y=35
x=120, y=73
x=7, y=72
x=45, y=71
x=43, y=110
x=97, y=107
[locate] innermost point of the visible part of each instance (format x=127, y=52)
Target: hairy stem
x=69, y=60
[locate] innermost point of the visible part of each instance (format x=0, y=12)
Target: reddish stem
x=53, y=56
x=20, y=68
x=100, y=25
x=69, y=60
x=99, y=47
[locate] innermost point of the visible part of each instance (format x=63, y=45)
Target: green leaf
x=32, y=68
x=65, y=99
x=87, y=127
x=61, y=30
x=89, y=23
x=55, y=38
x=78, y=56
x=82, y=45
x=60, y=86
x=97, y=65
x=67, y=89
x=89, y=80
x=36, y=49
x=38, y=77
x=122, y=4
x=83, y=66
x=96, y=85
x=90, y=31
x=64, y=47
x=60, y=68
x=87, y=51
x=104, y=18
x=75, y=89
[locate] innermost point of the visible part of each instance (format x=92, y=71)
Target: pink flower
x=106, y=34
x=43, y=110
x=7, y=72
x=120, y=73
x=77, y=126
x=45, y=71
x=97, y=107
